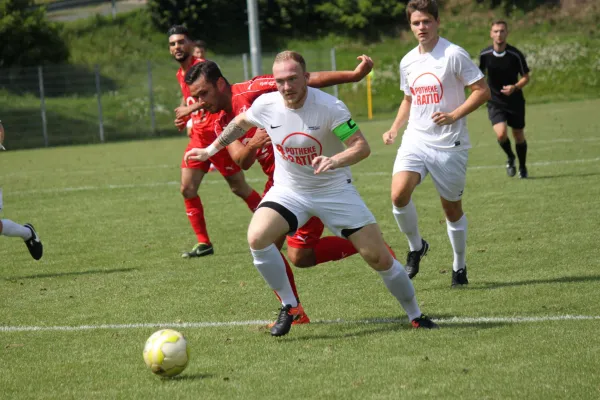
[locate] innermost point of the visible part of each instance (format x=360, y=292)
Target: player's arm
x=480, y=93
x=401, y=119
x=234, y=130
x=1, y=136
x=357, y=149
x=330, y=78
x=245, y=155
x=510, y=89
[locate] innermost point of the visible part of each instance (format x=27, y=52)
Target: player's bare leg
x=501, y=130
x=405, y=214
x=266, y=227
x=371, y=246
x=521, y=148
x=456, y=223
x=191, y=179
x=238, y=185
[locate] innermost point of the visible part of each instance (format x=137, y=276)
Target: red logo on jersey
x=427, y=89
x=299, y=148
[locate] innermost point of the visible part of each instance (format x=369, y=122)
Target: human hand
x=322, y=164
x=442, y=118
x=196, y=154
x=508, y=90
x=180, y=123
x=182, y=112
x=259, y=140
x=389, y=136
x=365, y=66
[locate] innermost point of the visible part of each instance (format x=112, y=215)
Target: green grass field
x=113, y=225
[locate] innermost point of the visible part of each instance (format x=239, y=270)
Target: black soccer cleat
x=34, y=244
x=459, y=278
x=523, y=174
x=510, y=167
x=413, y=259
x=199, y=250
x=424, y=322
x=287, y=314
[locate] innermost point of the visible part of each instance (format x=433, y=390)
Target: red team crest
x=427, y=89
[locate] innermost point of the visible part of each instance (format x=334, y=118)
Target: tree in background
x=27, y=37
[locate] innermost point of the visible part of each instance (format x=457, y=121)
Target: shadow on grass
x=562, y=279
x=354, y=329
x=585, y=175
x=189, y=377
x=58, y=274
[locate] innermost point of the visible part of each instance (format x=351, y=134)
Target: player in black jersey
x=504, y=64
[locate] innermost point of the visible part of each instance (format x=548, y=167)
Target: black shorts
x=513, y=115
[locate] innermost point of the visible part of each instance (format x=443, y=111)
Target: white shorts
x=448, y=169
x=342, y=209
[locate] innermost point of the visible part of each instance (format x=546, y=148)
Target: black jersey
x=503, y=69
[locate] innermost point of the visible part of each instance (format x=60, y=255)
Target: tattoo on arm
x=231, y=133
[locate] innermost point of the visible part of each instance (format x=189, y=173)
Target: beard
x=182, y=57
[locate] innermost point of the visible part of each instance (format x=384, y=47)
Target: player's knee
x=400, y=197
x=302, y=259
x=378, y=259
x=188, y=191
x=256, y=239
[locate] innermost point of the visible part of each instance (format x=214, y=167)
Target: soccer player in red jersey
x=202, y=133
x=306, y=248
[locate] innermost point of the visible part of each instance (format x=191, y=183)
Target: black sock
x=507, y=149
x=521, y=153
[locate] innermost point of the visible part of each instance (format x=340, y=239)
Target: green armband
x=345, y=130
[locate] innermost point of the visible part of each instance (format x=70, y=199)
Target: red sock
x=290, y=274
x=331, y=248
x=390, y=250
x=253, y=200
x=195, y=213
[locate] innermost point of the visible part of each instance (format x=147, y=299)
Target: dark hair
x=291, y=55
x=178, y=30
x=200, y=43
x=208, y=69
x=500, y=22
x=424, y=6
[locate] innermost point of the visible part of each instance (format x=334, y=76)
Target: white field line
x=175, y=165
x=453, y=320
x=255, y=180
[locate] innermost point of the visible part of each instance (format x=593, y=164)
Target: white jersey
x=300, y=135
x=436, y=82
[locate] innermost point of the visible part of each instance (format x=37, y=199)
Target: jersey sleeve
x=404, y=86
x=256, y=113
x=342, y=124
x=482, y=66
x=463, y=67
x=524, y=66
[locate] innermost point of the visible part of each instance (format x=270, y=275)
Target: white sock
x=13, y=229
x=407, y=220
x=397, y=281
x=269, y=263
x=457, y=232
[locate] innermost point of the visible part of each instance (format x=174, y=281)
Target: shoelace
x=282, y=315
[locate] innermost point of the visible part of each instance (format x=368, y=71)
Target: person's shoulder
x=487, y=50
x=451, y=49
x=267, y=99
x=514, y=50
x=409, y=57
x=258, y=83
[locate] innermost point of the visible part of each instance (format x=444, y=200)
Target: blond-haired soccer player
x=433, y=76
x=315, y=142
x=25, y=232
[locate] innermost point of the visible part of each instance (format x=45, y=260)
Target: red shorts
x=307, y=236
x=222, y=162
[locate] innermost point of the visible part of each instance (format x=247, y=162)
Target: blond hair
x=291, y=55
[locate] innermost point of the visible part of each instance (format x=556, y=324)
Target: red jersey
x=242, y=96
x=203, y=123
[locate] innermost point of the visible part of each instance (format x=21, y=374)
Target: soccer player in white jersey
x=433, y=76
x=25, y=232
x=315, y=142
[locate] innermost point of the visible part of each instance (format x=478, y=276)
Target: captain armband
x=345, y=130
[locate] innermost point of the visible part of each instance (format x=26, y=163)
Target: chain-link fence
x=68, y=104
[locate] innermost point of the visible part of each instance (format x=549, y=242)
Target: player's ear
x=221, y=84
x=307, y=76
